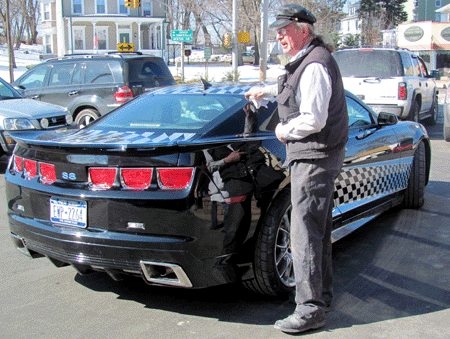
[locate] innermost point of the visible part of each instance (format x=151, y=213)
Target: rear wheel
x=272, y=267
x=434, y=111
x=414, y=113
x=86, y=116
x=414, y=193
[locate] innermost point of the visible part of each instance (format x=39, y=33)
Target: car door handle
x=35, y=97
x=73, y=93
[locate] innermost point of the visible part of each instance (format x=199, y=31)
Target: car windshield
x=369, y=63
x=175, y=111
x=7, y=92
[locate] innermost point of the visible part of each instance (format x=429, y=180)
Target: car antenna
x=206, y=85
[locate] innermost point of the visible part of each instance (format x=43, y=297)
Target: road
x=392, y=280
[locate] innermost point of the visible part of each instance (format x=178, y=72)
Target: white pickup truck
x=390, y=80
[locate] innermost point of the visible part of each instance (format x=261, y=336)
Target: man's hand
x=254, y=93
x=279, y=137
x=233, y=156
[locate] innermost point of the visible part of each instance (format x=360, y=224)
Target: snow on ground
x=29, y=56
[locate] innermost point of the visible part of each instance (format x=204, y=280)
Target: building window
x=48, y=44
x=438, y=3
x=79, y=38
x=101, y=8
x=438, y=17
x=77, y=6
x=122, y=8
x=47, y=12
x=102, y=37
x=146, y=8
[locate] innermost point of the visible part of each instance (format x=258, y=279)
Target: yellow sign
x=125, y=47
x=244, y=37
x=132, y=3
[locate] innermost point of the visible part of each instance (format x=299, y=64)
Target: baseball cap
x=287, y=14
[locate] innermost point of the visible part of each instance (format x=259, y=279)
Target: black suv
x=94, y=84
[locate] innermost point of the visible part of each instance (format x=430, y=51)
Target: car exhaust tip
x=21, y=246
x=165, y=274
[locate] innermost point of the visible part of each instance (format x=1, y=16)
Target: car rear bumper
x=397, y=110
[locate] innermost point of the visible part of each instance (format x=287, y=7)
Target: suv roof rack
x=124, y=52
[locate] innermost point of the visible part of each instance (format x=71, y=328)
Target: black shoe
x=299, y=322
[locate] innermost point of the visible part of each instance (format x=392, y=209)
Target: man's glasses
x=282, y=31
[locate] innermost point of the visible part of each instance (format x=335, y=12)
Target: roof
x=216, y=88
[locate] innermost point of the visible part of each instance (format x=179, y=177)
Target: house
x=97, y=26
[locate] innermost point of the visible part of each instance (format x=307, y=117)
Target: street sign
x=243, y=37
x=125, y=47
x=207, y=53
x=181, y=36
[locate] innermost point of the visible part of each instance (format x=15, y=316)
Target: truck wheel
x=86, y=116
x=414, y=193
x=272, y=265
x=414, y=113
x=434, y=111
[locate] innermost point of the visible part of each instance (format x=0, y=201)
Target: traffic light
x=226, y=40
x=136, y=3
x=132, y=3
x=187, y=52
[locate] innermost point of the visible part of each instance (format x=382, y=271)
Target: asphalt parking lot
x=392, y=280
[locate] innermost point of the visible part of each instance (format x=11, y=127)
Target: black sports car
x=185, y=186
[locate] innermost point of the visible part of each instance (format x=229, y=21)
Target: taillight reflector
x=48, y=173
x=123, y=94
x=402, y=92
x=17, y=164
x=137, y=178
x=174, y=178
x=30, y=168
x=102, y=177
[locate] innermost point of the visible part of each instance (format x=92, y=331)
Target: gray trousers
x=312, y=190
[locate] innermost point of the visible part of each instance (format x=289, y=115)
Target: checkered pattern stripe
x=358, y=183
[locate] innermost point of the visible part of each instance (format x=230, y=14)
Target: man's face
x=292, y=38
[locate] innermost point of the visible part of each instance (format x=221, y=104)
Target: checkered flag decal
x=358, y=183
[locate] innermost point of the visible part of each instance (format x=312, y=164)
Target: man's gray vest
x=335, y=133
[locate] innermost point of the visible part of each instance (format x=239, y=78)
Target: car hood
x=28, y=108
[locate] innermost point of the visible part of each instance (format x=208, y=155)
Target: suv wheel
x=414, y=113
x=86, y=116
x=434, y=111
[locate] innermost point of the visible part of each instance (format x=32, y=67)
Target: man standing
x=314, y=127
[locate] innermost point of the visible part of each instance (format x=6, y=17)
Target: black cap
x=288, y=14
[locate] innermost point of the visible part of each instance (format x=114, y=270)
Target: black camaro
x=185, y=186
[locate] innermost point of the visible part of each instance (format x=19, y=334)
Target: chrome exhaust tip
x=165, y=274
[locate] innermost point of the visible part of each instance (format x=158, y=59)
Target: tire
x=272, y=264
x=434, y=111
x=86, y=116
x=415, y=192
x=447, y=133
x=414, y=113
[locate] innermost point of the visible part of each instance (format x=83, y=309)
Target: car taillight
x=17, y=164
x=402, y=92
x=47, y=173
x=137, y=178
x=174, y=178
x=103, y=178
x=30, y=168
x=123, y=94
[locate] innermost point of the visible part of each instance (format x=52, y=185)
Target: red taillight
x=17, y=164
x=123, y=94
x=234, y=200
x=48, y=173
x=402, y=92
x=174, y=178
x=137, y=178
x=30, y=168
x=102, y=177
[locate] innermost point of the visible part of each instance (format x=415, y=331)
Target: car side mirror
x=434, y=74
x=387, y=119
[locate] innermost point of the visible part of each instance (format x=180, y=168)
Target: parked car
x=94, y=84
x=18, y=114
x=391, y=80
x=248, y=57
x=145, y=191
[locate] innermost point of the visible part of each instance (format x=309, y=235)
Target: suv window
x=61, y=74
x=35, y=79
x=407, y=64
x=369, y=63
x=147, y=70
x=98, y=72
x=416, y=66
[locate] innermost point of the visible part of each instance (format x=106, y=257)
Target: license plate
x=68, y=212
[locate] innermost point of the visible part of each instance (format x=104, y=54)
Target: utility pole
x=263, y=50
x=235, y=42
x=9, y=42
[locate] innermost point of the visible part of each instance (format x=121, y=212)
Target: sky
x=29, y=55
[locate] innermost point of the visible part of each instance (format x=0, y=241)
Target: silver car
x=18, y=113
x=447, y=117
